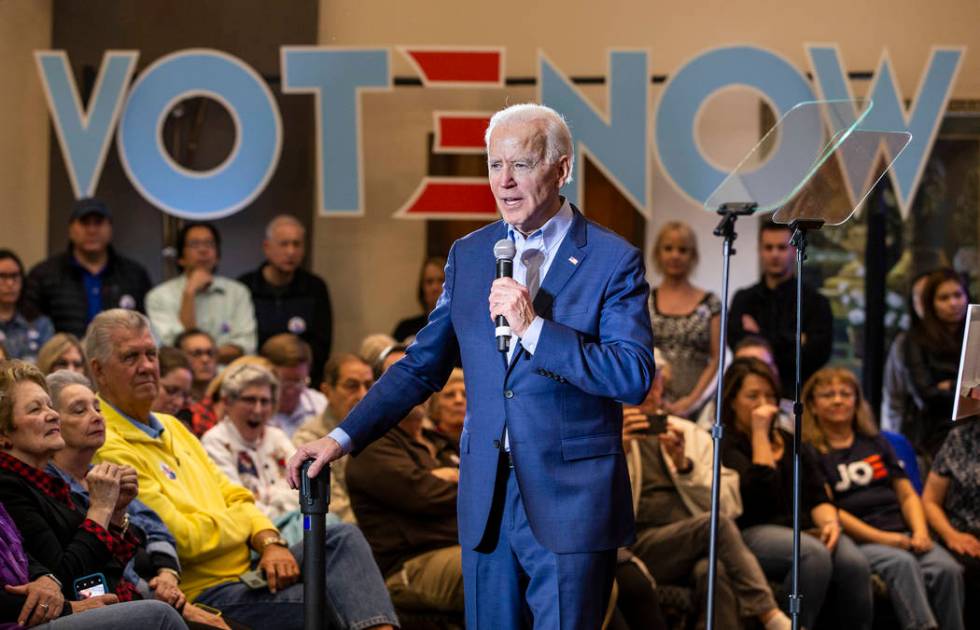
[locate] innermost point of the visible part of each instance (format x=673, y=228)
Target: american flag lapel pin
x=573, y=260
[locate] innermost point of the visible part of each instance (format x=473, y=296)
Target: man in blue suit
x=544, y=499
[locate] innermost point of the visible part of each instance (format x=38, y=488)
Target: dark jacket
x=301, y=307
x=767, y=493
x=926, y=367
x=402, y=508
x=775, y=312
x=54, y=536
x=55, y=288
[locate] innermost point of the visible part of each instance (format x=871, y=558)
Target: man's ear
x=96, y=369
x=564, y=170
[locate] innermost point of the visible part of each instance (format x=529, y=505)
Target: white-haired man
x=544, y=498
x=216, y=523
x=288, y=298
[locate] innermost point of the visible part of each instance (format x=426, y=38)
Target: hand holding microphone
x=510, y=301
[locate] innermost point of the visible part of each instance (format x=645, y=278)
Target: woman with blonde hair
x=878, y=506
x=63, y=352
x=685, y=320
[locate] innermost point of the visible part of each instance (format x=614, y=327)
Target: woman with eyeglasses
x=243, y=445
x=22, y=329
x=877, y=504
x=176, y=381
x=63, y=352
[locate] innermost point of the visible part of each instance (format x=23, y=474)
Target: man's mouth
x=510, y=202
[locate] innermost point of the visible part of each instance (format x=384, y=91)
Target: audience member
x=671, y=476
x=62, y=352
x=298, y=402
x=202, y=352
x=214, y=521
x=251, y=452
x=154, y=571
x=877, y=504
x=199, y=298
x=25, y=603
x=897, y=404
x=68, y=542
x=431, y=277
x=754, y=347
x=73, y=287
x=766, y=309
x=3, y=352
x=22, y=330
x=685, y=320
x=447, y=407
x=287, y=297
x=932, y=356
x=346, y=378
x=386, y=357
x=830, y=563
x=373, y=346
x=952, y=504
x=403, y=491
x=176, y=380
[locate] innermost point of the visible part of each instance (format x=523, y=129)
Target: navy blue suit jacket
x=560, y=405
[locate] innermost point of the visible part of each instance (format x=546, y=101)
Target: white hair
x=241, y=377
x=58, y=381
x=283, y=219
x=98, y=337
x=557, y=133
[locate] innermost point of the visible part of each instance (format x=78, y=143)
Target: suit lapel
x=570, y=256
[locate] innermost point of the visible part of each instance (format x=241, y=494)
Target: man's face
x=284, y=249
x=90, y=234
x=775, y=253
x=524, y=184
x=130, y=376
x=200, y=250
x=202, y=355
x=292, y=381
x=354, y=380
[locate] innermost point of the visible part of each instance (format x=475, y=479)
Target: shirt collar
x=552, y=232
x=152, y=428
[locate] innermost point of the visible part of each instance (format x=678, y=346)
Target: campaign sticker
x=168, y=471
x=296, y=325
x=127, y=302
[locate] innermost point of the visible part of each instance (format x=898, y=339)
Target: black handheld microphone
x=504, y=251
x=314, y=500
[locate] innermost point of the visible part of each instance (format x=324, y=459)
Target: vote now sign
x=622, y=140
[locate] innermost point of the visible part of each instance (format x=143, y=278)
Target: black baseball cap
x=89, y=205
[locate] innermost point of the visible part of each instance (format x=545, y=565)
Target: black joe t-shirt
x=862, y=479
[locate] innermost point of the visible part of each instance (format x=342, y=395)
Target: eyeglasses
x=205, y=243
x=295, y=382
x=198, y=353
x=353, y=386
x=10, y=277
x=251, y=401
x=846, y=394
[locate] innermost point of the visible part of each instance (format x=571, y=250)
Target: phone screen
x=90, y=586
x=658, y=424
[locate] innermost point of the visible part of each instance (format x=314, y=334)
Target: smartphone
x=658, y=424
x=254, y=579
x=90, y=586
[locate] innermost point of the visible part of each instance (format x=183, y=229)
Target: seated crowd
x=150, y=456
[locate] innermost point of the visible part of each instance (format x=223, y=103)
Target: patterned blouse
x=685, y=341
x=957, y=462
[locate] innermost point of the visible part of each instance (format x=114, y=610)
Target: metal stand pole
x=726, y=229
x=798, y=240
x=314, y=500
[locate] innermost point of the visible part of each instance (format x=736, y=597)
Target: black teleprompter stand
x=729, y=212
